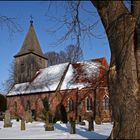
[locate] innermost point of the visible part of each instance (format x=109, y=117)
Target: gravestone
x=28, y=116
x=82, y=123
x=72, y=126
x=7, y=119
x=98, y=120
x=90, y=124
x=49, y=127
x=22, y=124
x=48, y=122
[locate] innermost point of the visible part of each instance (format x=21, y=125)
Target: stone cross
x=31, y=20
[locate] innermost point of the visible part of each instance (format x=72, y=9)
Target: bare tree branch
x=76, y=27
x=11, y=24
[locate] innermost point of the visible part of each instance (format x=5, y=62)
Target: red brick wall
x=62, y=97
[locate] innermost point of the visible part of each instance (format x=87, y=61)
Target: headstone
x=82, y=123
x=17, y=119
x=7, y=119
x=72, y=126
x=28, y=116
x=22, y=124
x=98, y=120
x=49, y=127
x=90, y=124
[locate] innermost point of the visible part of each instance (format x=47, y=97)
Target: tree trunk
x=124, y=90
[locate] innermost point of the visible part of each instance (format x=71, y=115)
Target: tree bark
x=136, y=13
x=123, y=77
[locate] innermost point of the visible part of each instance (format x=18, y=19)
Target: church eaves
x=31, y=44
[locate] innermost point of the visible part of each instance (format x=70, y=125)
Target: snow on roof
x=48, y=79
x=91, y=69
x=70, y=80
x=18, y=89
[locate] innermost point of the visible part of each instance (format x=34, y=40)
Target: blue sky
x=10, y=45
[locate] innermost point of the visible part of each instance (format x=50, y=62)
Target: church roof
x=31, y=43
x=79, y=75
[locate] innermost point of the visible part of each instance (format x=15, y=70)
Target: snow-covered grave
x=36, y=130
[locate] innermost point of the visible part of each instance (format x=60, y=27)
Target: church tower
x=29, y=59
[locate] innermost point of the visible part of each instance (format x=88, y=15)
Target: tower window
x=22, y=68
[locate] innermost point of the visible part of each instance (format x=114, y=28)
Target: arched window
x=106, y=103
x=71, y=105
x=89, y=104
x=68, y=104
x=15, y=106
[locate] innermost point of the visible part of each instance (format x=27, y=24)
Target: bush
x=46, y=114
x=3, y=103
x=47, y=117
x=46, y=104
x=60, y=114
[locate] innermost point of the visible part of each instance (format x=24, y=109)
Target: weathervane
x=31, y=19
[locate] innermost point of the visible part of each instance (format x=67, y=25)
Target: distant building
x=80, y=88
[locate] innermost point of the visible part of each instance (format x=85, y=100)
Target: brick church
x=81, y=88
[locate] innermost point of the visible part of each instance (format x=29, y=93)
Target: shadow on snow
x=82, y=132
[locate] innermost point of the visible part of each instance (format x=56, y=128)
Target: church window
x=106, y=103
x=89, y=104
x=70, y=105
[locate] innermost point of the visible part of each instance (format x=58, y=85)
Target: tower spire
x=31, y=43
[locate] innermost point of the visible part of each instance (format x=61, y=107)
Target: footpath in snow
x=36, y=130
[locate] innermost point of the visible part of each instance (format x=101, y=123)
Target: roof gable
x=81, y=75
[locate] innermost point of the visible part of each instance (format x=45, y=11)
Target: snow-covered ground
x=36, y=130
